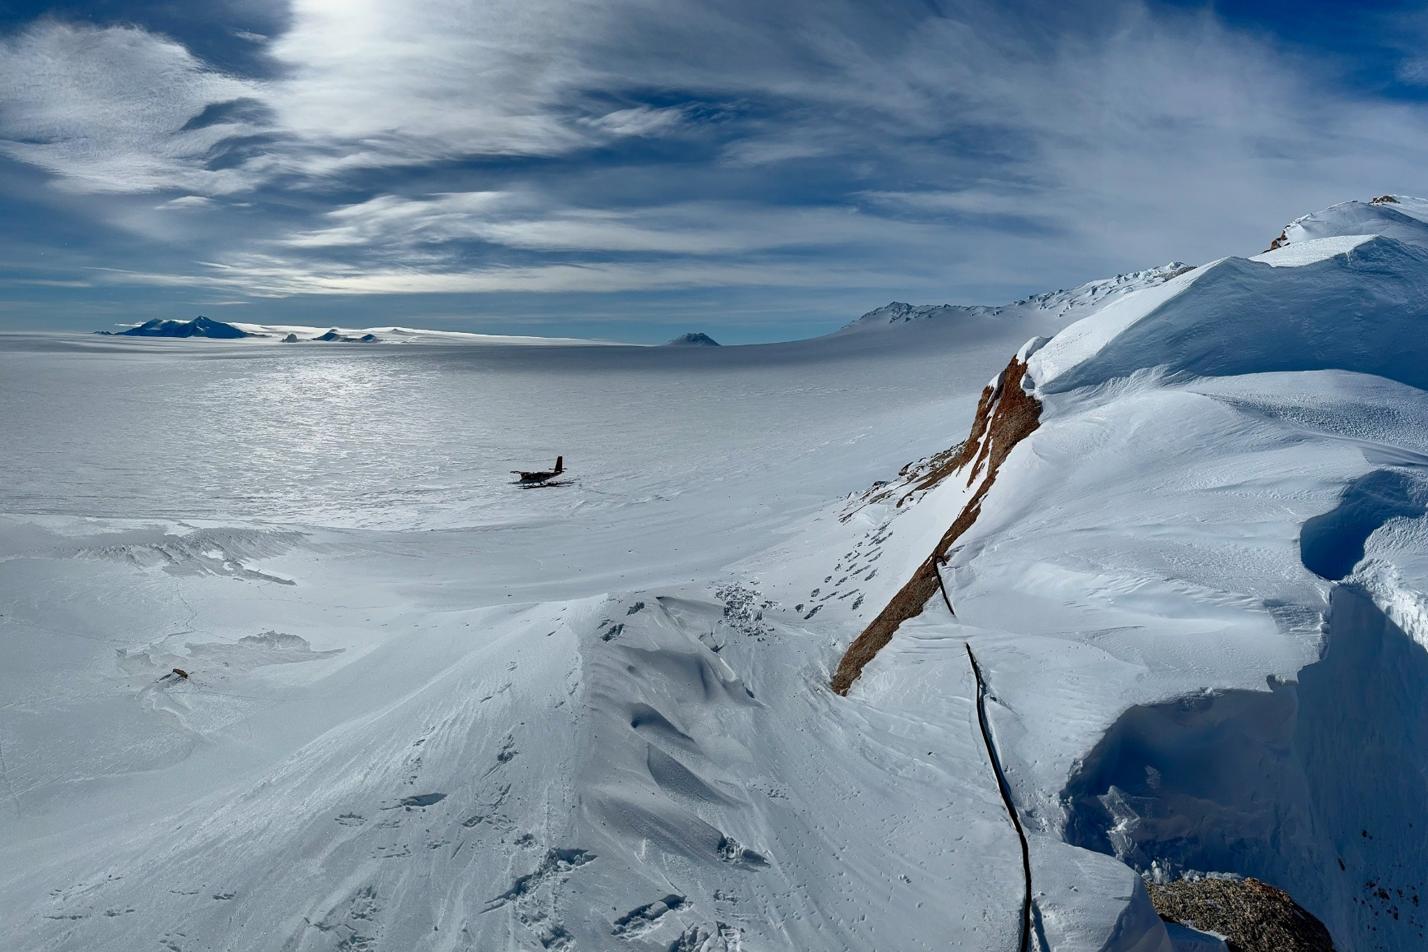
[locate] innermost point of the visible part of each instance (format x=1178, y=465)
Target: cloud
x=189, y=201
x=965, y=149
x=262, y=276
x=529, y=221
x=413, y=83
x=973, y=200
x=637, y=121
x=1413, y=71
x=108, y=109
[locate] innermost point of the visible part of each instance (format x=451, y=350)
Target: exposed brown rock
x=936, y=470
x=911, y=479
x=1006, y=415
x=1279, y=242
x=968, y=447
x=1253, y=916
x=1018, y=413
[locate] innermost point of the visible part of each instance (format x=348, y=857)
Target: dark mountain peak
x=693, y=339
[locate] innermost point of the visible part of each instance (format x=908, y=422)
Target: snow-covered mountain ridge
x=1217, y=455
x=204, y=327
x=1081, y=298
x=1160, y=599
x=1402, y=217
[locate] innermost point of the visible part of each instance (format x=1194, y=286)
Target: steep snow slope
x=606, y=724
x=1197, y=586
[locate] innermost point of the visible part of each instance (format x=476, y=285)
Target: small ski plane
x=540, y=477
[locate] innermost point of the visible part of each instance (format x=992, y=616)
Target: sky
x=636, y=169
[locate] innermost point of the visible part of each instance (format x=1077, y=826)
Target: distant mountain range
x=1062, y=304
x=1078, y=299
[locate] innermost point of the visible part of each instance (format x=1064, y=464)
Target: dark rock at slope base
x=1252, y=915
x=693, y=339
x=198, y=327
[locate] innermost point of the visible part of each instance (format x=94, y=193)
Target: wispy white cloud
x=412, y=83
x=973, y=146
x=112, y=109
x=530, y=221
x=188, y=201
x=266, y=276
x=637, y=121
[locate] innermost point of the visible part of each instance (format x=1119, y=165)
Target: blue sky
x=634, y=169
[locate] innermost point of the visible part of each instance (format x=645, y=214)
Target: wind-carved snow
x=599, y=719
x=1400, y=217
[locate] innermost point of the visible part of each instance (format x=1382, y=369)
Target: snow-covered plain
x=428, y=709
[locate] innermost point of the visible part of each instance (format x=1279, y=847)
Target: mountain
x=206, y=327
x=402, y=335
x=1130, y=623
x=198, y=327
x=335, y=335
x=1187, y=529
x=693, y=339
x=898, y=312
x=1064, y=302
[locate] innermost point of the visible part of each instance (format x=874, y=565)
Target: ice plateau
x=1152, y=601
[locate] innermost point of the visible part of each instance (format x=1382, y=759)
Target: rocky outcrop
x=1006, y=415
x=1252, y=916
